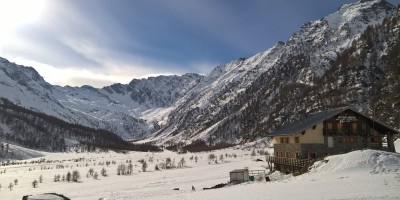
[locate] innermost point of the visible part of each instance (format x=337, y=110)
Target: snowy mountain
x=348, y=57
x=116, y=108
x=244, y=99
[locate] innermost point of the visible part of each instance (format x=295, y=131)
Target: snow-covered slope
x=116, y=108
x=222, y=103
x=16, y=152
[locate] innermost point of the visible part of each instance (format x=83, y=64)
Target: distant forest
x=39, y=131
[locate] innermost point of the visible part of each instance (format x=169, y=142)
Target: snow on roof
x=311, y=120
x=239, y=170
x=315, y=118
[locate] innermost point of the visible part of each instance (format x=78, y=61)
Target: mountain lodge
x=329, y=132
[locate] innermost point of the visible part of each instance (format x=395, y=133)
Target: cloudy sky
x=100, y=42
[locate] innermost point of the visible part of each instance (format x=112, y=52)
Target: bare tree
x=253, y=153
x=181, y=163
x=75, y=176
x=91, y=171
x=69, y=177
x=95, y=175
x=144, y=166
x=168, y=163
x=103, y=172
x=34, y=183
x=211, y=157
x=130, y=168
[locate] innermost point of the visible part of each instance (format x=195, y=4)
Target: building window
x=342, y=140
x=296, y=139
x=353, y=139
x=330, y=126
x=339, y=127
x=297, y=155
x=354, y=127
x=284, y=140
x=363, y=126
x=312, y=155
x=376, y=139
x=287, y=155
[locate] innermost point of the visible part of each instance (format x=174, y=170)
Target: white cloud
x=96, y=77
x=68, y=48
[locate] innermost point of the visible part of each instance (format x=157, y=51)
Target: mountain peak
x=356, y=16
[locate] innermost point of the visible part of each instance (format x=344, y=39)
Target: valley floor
x=364, y=174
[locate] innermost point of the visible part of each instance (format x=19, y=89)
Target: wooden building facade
x=331, y=132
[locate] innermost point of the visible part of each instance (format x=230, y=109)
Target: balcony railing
x=296, y=162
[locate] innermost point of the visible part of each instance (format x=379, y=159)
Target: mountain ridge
x=243, y=99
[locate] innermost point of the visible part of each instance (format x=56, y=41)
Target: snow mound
x=372, y=161
x=397, y=145
x=47, y=197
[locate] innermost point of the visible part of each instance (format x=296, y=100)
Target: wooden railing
x=288, y=161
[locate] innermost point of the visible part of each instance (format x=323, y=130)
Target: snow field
x=140, y=185
x=367, y=174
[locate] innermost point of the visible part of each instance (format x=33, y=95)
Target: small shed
x=241, y=175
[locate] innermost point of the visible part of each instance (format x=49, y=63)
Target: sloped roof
x=315, y=118
x=239, y=170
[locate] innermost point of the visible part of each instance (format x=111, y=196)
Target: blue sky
x=100, y=42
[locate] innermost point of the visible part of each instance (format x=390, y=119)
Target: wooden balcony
x=288, y=165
